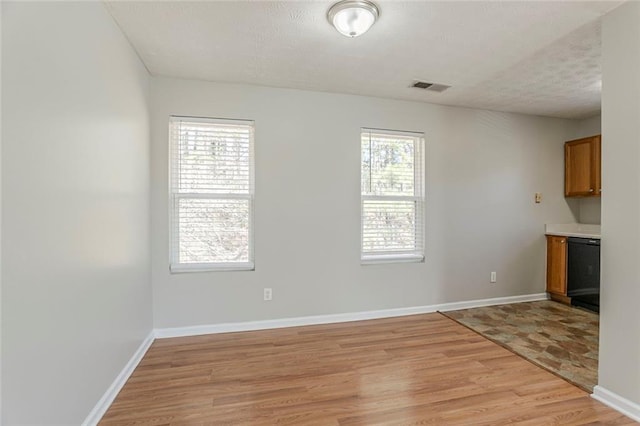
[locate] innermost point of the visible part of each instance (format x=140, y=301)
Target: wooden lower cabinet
x=557, y=268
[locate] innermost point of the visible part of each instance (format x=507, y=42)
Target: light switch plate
x=538, y=197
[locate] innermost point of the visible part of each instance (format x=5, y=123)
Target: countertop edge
x=575, y=234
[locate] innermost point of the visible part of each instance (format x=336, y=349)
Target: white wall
x=588, y=127
x=76, y=294
x=589, y=208
x=619, y=367
x=1, y=7
x=483, y=169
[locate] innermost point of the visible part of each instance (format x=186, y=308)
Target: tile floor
x=559, y=338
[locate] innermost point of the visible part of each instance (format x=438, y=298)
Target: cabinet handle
x=561, y=241
x=590, y=189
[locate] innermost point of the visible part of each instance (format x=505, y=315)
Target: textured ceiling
x=538, y=58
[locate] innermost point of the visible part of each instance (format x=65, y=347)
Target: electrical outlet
x=268, y=294
x=494, y=277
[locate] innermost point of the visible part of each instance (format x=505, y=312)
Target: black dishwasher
x=583, y=273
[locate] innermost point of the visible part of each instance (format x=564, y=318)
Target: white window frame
x=418, y=254
x=175, y=196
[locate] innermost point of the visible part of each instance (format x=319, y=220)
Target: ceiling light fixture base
x=353, y=18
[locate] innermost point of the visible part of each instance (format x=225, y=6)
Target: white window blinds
x=212, y=188
x=392, y=196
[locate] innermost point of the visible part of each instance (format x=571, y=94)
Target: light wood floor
x=422, y=369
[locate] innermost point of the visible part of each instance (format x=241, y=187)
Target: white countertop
x=581, y=230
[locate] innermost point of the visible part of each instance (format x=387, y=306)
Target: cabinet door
x=579, y=177
x=597, y=164
x=557, y=265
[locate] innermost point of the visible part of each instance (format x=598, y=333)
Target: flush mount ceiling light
x=353, y=17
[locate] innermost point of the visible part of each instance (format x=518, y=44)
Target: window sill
x=391, y=258
x=181, y=268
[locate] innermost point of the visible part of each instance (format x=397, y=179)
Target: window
x=392, y=196
x=212, y=186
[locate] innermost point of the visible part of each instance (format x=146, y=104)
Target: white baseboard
x=455, y=306
x=336, y=318
x=105, y=402
x=618, y=403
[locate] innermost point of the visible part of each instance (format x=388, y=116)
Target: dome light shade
x=353, y=17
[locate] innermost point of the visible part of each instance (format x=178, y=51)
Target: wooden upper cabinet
x=582, y=167
x=557, y=265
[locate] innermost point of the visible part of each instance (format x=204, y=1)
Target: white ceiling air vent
x=432, y=87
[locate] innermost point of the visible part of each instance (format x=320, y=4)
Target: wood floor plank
x=421, y=369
